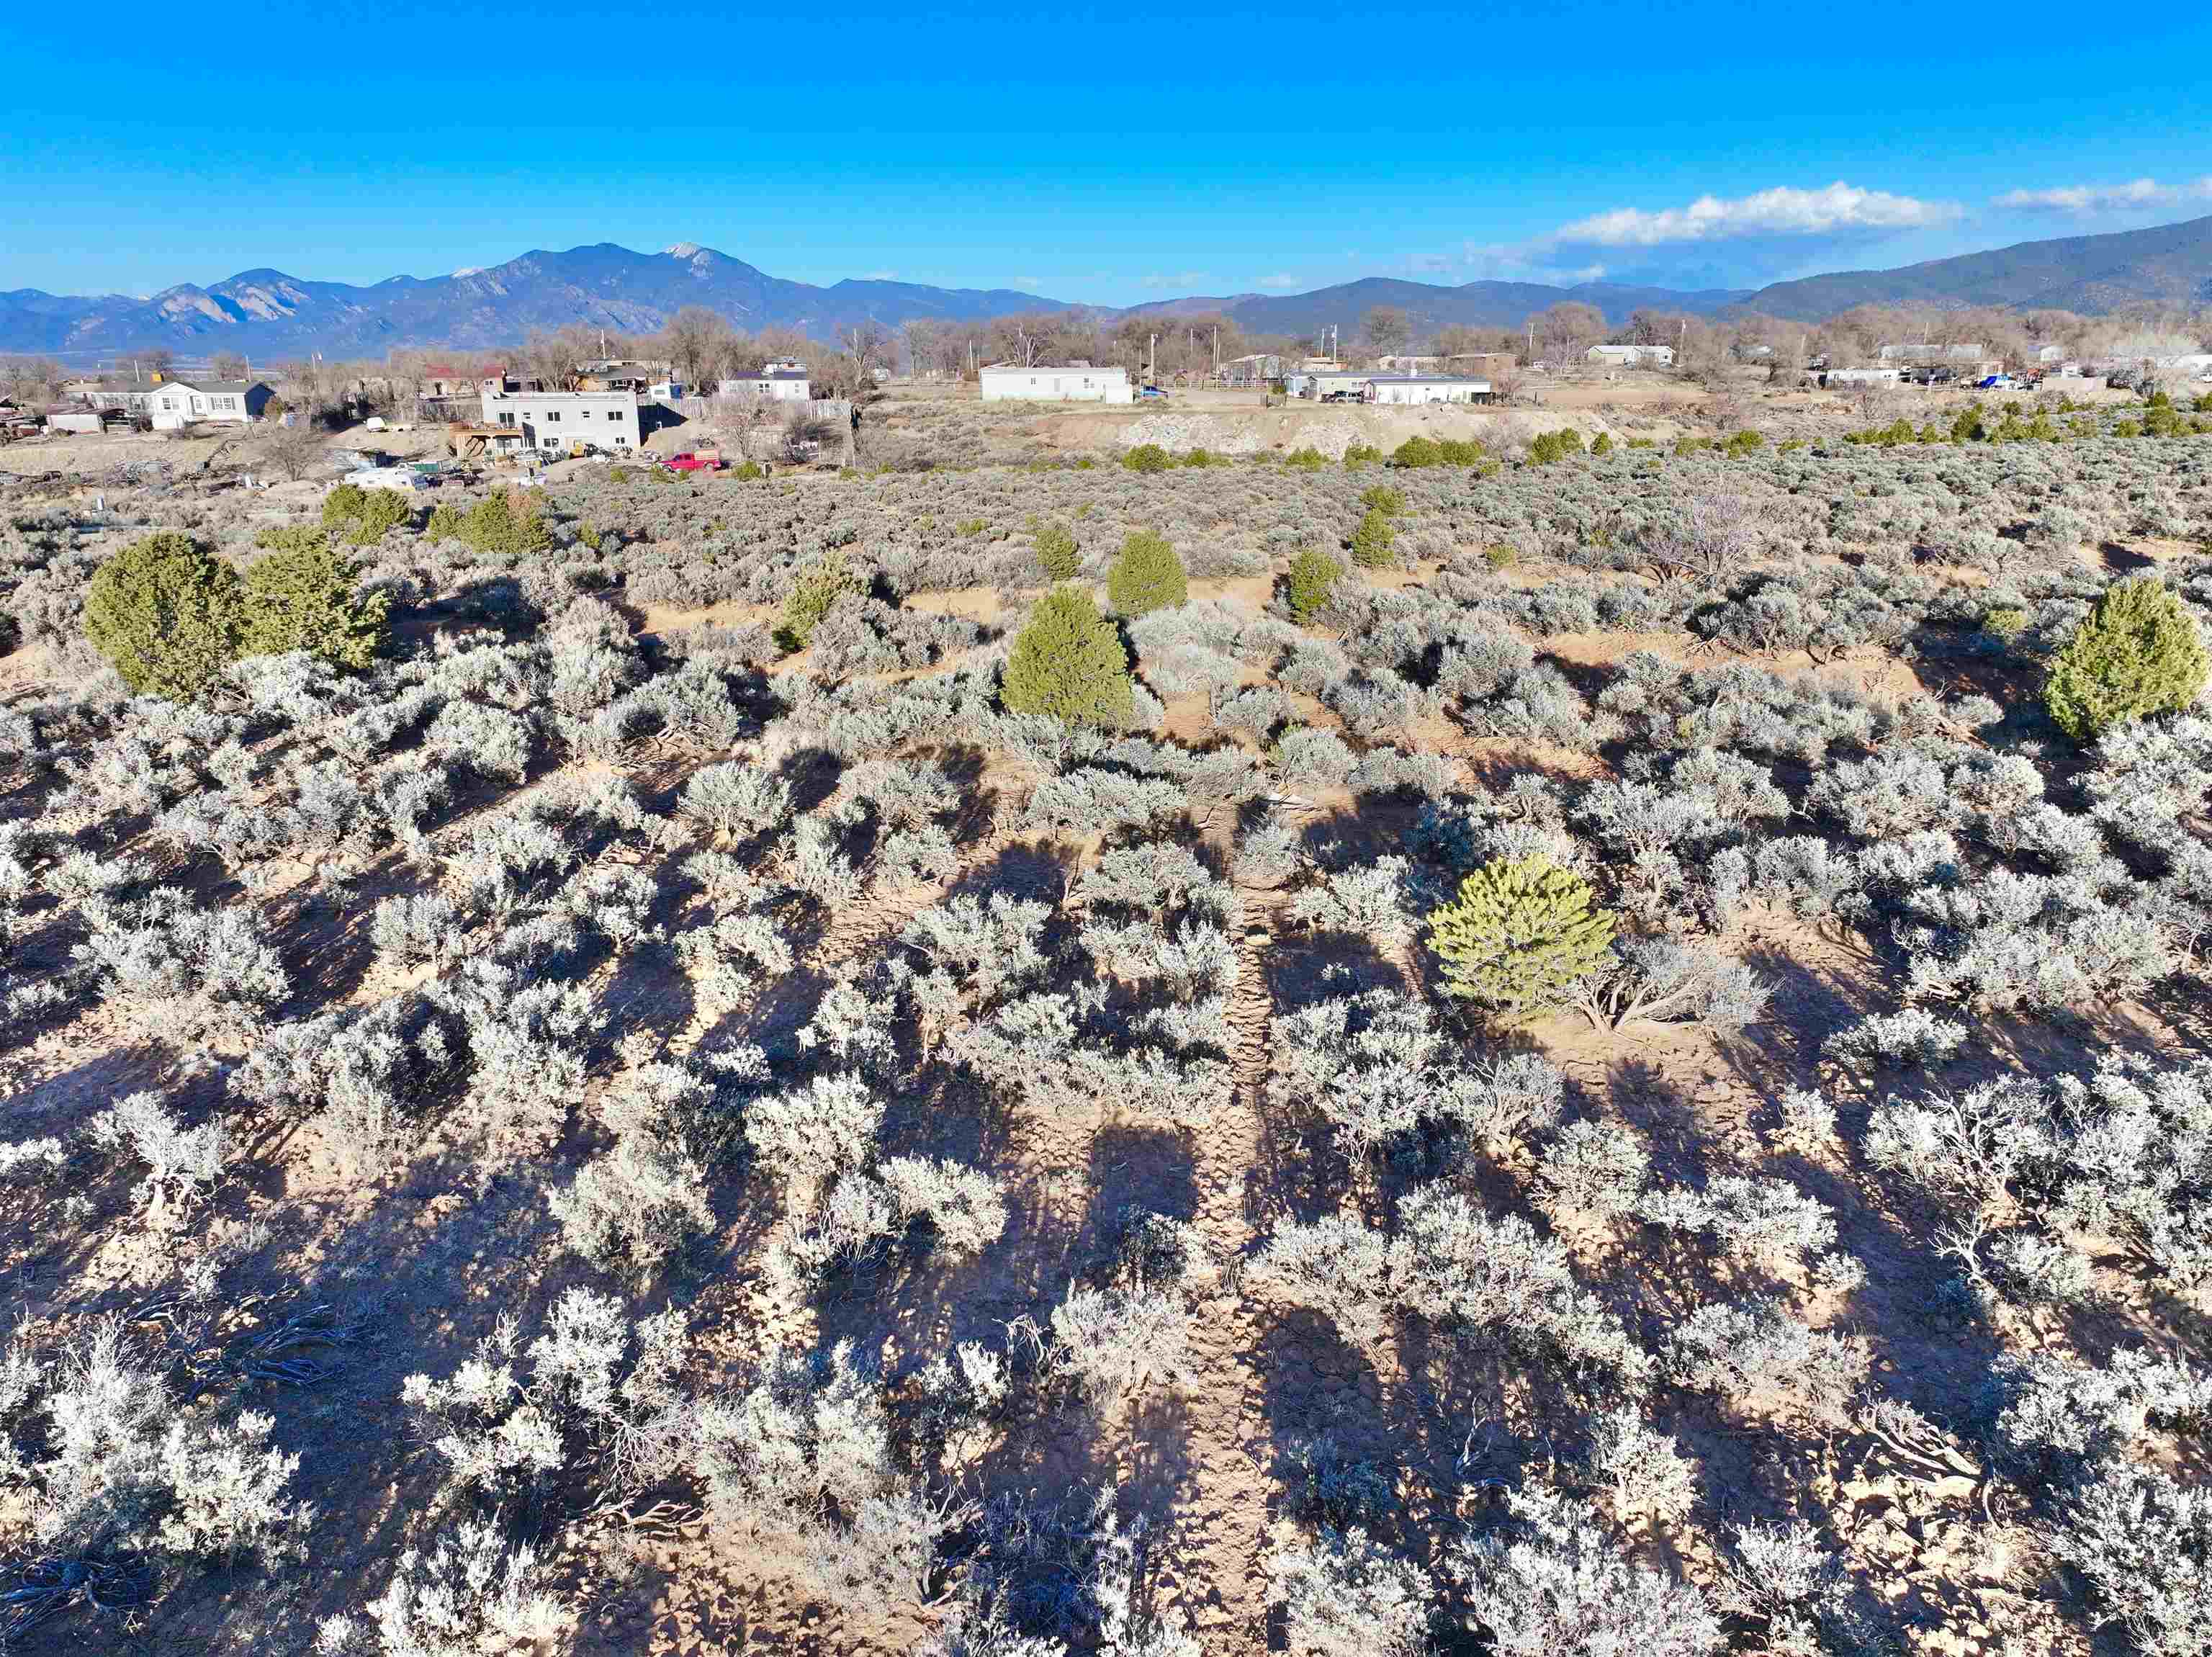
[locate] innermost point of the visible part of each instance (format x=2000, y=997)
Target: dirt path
x=1222, y=1525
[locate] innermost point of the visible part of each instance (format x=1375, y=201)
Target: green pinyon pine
x=817, y=587
x=1313, y=579
x=1069, y=662
x=303, y=597
x=1371, y=541
x=1056, y=552
x=1146, y=575
x=167, y=613
x=1520, y=935
x=2136, y=653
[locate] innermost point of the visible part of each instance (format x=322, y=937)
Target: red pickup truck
x=704, y=461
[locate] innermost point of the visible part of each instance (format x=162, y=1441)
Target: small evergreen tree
x=1418, y=451
x=2136, y=653
x=1313, y=579
x=1146, y=575
x=364, y=513
x=342, y=505
x=1371, y=541
x=1148, y=457
x=1383, y=498
x=1069, y=662
x=1520, y=936
x=1056, y=552
x=820, y=585
x=505, y=523
x=167, y=613
x=301, y=597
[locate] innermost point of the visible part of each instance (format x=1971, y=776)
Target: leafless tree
x=1567, y=330
x=697, y=340
x=294, y=449
x=229, y=365
x=1386, y=328
x=870, y=345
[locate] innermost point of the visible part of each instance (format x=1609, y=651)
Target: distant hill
x=267, y=313
x=1429, y=306
x=2169, y=264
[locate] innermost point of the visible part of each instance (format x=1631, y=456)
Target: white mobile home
x=1862, y=376
x=777, y=383
x=1004, y=383
x=1428, y=388
x=554, y=419
x=1631, y=357
x=178, y=403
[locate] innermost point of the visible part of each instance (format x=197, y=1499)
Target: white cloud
x=1838, y=209
x=881, y=275
x=1177, y=279
x=1531, y=262
x=1281, y=279
x=2135, y=194
x=1029, y=283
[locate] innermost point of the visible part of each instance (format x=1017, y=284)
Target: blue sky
x=1108, y=156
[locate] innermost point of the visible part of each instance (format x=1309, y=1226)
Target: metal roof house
x=1631, y=355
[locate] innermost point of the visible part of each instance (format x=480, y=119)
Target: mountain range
x=269, y=314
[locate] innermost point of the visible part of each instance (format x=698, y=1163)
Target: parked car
x=1994, y=382
x=705, y=461
x=1154, y=391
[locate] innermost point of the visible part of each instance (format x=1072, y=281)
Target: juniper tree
x=167, y=613
x=1520, y=936
x=1313, y=579
x=1146, y=575
x=2137, y=652
x=1069, y=662
x=302, y=597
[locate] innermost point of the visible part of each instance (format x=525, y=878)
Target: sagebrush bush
x=1069, y=662
x=1148, y=457
x=1519, y=935
x=1145, y=576
x=2136, y=653
x=167, y=613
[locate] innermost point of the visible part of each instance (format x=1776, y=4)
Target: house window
x=552, y=417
